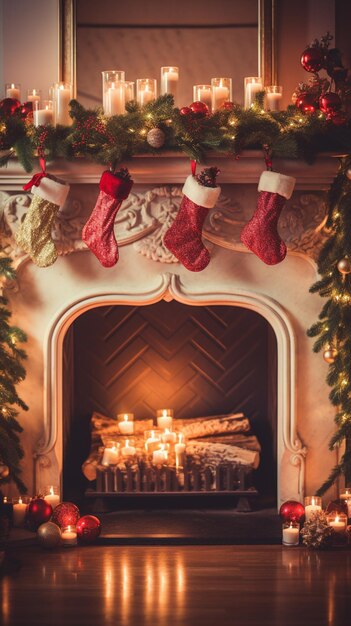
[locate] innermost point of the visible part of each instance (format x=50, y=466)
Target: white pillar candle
x=110, y=456
x=19, y=513
x=115, y=99
x=253, y=84
x=146, y=90
x=33, y=95
x=273, y=101
x=168, y=436
x=169, y=80
x=160, y=456
x=312, y=508
x=62, y=97
x=52, y=498
x=129, y=90
x=179, y=449
x=203, y=93
x=13, y=91
x=126, y=427
x=69, y=536
x=153, y=442
x=44, y=116
x=128, y=450
x=291, y=534
x=164, y=421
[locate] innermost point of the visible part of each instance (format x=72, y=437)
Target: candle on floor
x=19, y=512
x=313, y=504
x=291, y=534
x=146, y=90
x=33, y=95
x=13, y=91
x=111, y=454
x=203, y=93
x=43, y=113
x=253, y=84
x=168, y=436
x=169, y=80
x=160, y=456
x=126, y=423
x=128, y=451
x=152, y=440
x=62, y=97
x=52, y=495
x=179, y=449
x=164, y=418
x=69, y=536
x=274, y=94
x=221, y=92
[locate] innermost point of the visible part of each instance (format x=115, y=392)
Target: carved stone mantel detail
x=145, y=217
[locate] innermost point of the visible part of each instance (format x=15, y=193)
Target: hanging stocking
x=260, y=234
x=183, y=238
x=98, y=232
x=34, y=235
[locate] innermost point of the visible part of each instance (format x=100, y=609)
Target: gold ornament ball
x=4, y=471
x=329, y=355
x=49, y=535
x=344, y=266
x=156, y=138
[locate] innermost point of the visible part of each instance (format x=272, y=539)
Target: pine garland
x=11, y=373
x=332, y=331
x=110, y=140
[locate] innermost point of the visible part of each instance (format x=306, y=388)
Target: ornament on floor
x=260, y=235
x=4, y=471
x=65, y=514
x=156, y=138
x=291, y=511
x=49, y=535
x=330, y=354
x=344, y=266
x=183, y=238
x=316, y=533
x=38, y=512
x=88, y=529
x=34, y=235
x=98, y=233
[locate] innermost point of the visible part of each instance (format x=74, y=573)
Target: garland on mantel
x=110, y=140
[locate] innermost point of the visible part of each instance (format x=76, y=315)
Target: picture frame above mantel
x=266, y=49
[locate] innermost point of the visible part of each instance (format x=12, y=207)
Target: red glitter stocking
x=260, y=234
x=98, y=233
x=183, y=238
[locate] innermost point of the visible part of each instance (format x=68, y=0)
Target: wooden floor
x=176, y=586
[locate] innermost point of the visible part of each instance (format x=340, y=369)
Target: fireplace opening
x=200, y=360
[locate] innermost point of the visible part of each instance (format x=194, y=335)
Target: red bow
x=34, y=181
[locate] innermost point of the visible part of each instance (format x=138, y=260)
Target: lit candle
x=69, y=536
x=169, y=80
x=312, y=505
x=339, y=523
x=179, y=449
x=146, y=90
x=19, y=513
x=253, y=84
x=346, y=494
x=115, y=99
x=203, y=93
x=13, y=91
x=221, y=92
x=33, y=95
x=152, y=443
x=126, y=427
x=160, y=456
x=110, y=456
x=274, y=95
x=165, y=420
x=168, y=436
x=62, y=97
x=52, y=497
x=128, y=450
x=291, y=534
x=42, y=116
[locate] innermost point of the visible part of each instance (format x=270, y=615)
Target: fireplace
x=48, y=303
x=202, y=361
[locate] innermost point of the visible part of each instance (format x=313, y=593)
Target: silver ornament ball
x=49, y=535
x=344, y=266
x=156, y=138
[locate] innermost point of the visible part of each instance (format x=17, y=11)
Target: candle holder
x=169, y=436
x=346, y=494
x=179, y=449
x=129, y=87
x=291, y=534
x=128, y=449
x=313, y=504
x=169, y=81
x=152, y=440
x=19, y=510
x=62, y=95
x=111, y=454
x=221, y=92
x=146, y=90
x=13, y=90
x=126, y=423
x=43, y=113
x=253, y=85
x=203, y=93
x=164, y=418
x=52, y=495
x=274, y=94
x=338, y=522
x=33, y=95
x=113, y=92
x=69, y=536
x=160, y=455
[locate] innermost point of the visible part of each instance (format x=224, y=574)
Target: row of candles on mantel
x=158, y=442
x=313, y=504
x=116, y=92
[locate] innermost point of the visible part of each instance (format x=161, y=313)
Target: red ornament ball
x=26, y=110
x=88, y=528
x=9, y=106
x=330, y=102
x=228, y=106
x=306, y=102
x=65, y=514
x=199, y=108
x=339, y=118
x=313, y=59
x=291, y=511
x=38, y=512
x=185, y=111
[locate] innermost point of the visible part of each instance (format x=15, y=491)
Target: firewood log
x=249, y=442
x=206, y=453
x=214, y=426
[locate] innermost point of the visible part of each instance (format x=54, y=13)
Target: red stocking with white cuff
x=260, y=234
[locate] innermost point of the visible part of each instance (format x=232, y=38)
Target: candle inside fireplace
x=126, y=426
x=110, y=456
x=179, y=449
x=164, y=421
x=152, y=443
x=168, y=436
x=128, y=451
x=160, y=456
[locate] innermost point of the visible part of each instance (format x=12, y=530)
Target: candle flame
x=126, y=417
x=34, y=92
x=337, y=518
x=164, y=412
x=291, y=524
x=221, y=82
x=46, y=107
x=313, y=501
x=153, y=434
x=12, y=85
x=180, y=437
x=5, y=499
x=68, y=529
x=167, y=431
x=127, y=443
x=51, y=491
x=61, y=87
x=19, y=500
